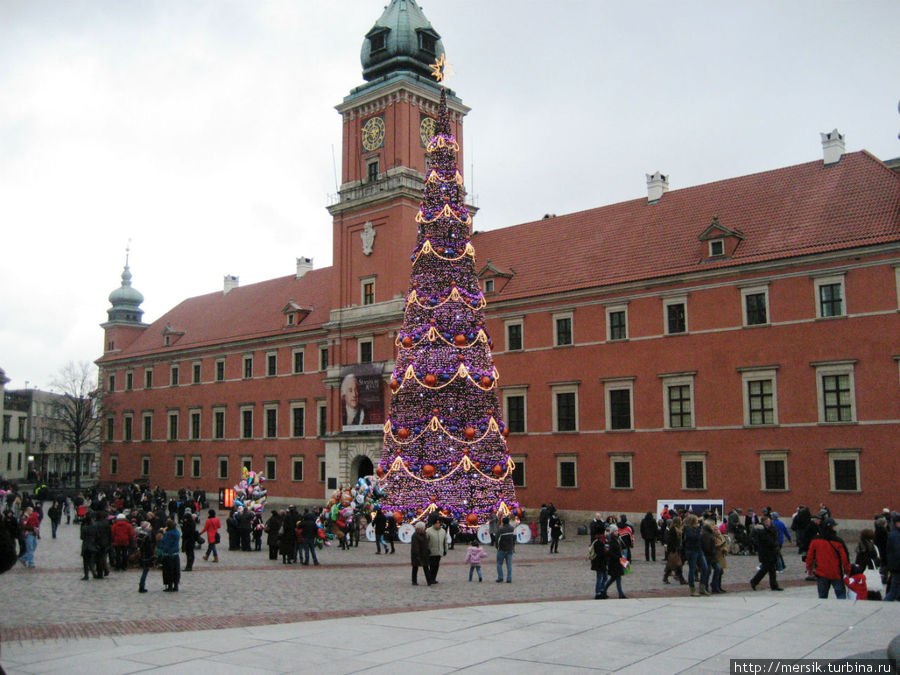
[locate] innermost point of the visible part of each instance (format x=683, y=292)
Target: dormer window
x=488, y=285
x=716, y=248
x=427, y=43
x=721, y=241
x=378, y=40
x=294, y=313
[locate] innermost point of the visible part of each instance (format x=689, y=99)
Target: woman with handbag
x=211, y=530
x=614, y=568
x=674, y=560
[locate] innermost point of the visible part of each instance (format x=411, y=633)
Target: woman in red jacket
x=827, y=560
x=211, y=530
x=122, y=541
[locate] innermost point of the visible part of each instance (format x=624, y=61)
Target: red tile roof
x=245, y=312
x=783, y=213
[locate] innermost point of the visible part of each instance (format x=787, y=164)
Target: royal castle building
x=735, y=343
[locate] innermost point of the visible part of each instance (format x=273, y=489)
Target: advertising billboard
x=362, y=397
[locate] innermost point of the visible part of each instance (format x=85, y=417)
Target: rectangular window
x=127, y=423
x=271, y=423
x=148, y=378
x=617, y=323
x=773, y=471
x=372, y=170
x=298, y=419
x=566, y=472
x=756, y=306
x=321, y=469
x=195, y=373
x=110, y=428
x=675, y=315
x=271, y=364
x=515, y=413
x=247, y=423
x=223, y=467
x=147, y=427
x=368, y=293
x=323, y=358
x=113, y=464
x=488, y=285
x=514, y=336
x=247, y=463
x=693, y=472
x=566, y=411
x=220, y=370
x=322, y=411
x=297, y=468
x=844, y=471
x=562, y=329
x=271, y=466
x=179, y=467
x=837, y=401
x=129, y=381
x=831, y=301
x=248, y=367
x=173, y=426
x=365, y=350
x=145, y=466
x=761, y=402
x=195, y=425
x=218, y=424
x=173, y=376
x=680, y=407
x=298, y=362
x=195, y=467
x=620, y=472
x=518, y=472
x=111, y=383
x=618, y=406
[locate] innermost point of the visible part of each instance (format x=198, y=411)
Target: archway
x=364, y=467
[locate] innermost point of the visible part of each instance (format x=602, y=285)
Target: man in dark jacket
x=892, y=558
x=309, y=531
x=380, y=523
x=767, y=543
x=506, y=546
x=419, y=555
x=244, y=520
x=649, y=533
x=188, y=537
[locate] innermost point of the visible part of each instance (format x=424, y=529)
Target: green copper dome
x=401, y=40
x=126, y=301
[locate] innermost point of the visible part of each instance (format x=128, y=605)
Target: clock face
x=426, y=129
x=373, y=133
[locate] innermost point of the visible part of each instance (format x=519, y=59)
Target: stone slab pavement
x=358, y=612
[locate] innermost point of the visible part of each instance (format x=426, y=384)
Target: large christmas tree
x=445, y=442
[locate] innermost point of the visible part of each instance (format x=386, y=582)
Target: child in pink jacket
x=474, y=555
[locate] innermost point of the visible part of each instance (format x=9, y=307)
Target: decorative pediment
x=171, y=335
x=493, y=279
x=720, y=240
x=294, y=313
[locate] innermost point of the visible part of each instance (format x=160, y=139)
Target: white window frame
x=323, y=348
x=675, y=300
x=694, y=457
x=191, y=413
x=818, y=282
x=618, y=384
x=215, y=411
x=146, y=423
x=128, y=427
x=219, y=474
x=113, y=464
x=754, y=375
x=835, y=368
x=516, y=391
x=294, y=352
x=489, y=285
x=302, y=407
x=129, y=380
x=244, y=360
x=560, y=316
x=514, y=322
x=323, y=468
x=560, y=459
x=174, y=375
x=620, y=457
x=266, y=409
x=169, y=416
x=197, y=372
x=246, y=462
x=678, y=380
x=274, y=473
x=897, y=282
x=721, y=243
x=564, y=388
x=179, y=466
x=196, y=466
x=294, y=462
x=367, y=340
x=148, y=373
x=609, y=311
x=841, y=454
x=218, y=363
x=773, y=456
x=319, y=406
x=145, y=465
x=244, y=435
x=755, y=290
x=269, y=356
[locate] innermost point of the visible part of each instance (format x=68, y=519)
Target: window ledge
x=680, y=429
x=831, y=318
x=573, y=431
x=757, y=325
x=618, y=431
x=566, y=487
x=845, y=492
x=687, y=489
x=761, y=426
x=613, y=487
x=838, y=424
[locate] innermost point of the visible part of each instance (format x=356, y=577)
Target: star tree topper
x=441, y=68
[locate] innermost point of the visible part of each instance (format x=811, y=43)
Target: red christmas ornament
x=398, y=517
x=428, y=470
x=433, y=499
x=462, y=357
x=485, y=381
x=459, y=339
x=394, y=384
x=439, y=249
x=472, y=519
x=465, y=451
x=470, y=433
x=407, y=342
x=402, y=433
x=379, y=472
x=434, y=411
x=430, y=379
x=505, y=432
x=453, y=283
x=497, y=470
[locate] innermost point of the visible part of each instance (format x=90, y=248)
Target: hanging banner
x=362, y=397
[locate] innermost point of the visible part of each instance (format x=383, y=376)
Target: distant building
x=734, y=341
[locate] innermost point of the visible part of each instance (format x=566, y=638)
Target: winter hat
x=121, y=516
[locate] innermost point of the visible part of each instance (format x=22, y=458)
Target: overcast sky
x=204, y=131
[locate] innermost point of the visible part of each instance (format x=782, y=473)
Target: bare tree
x=78, y=408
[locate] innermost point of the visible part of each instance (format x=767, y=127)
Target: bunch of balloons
x=346, y=503
x=250, y=493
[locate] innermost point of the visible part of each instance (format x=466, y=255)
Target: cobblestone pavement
x=246, y=589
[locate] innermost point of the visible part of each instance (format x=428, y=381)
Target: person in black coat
x=244, y=520
x=380, y=523
x=188, y=537
x=390, y=533
x=273, y=532
x=287, y=543
x=649, y=533
x=767, y=543
x=103, y=536
x=88, y=546
x=614, y=568
x=598, y=565
x=231, y=527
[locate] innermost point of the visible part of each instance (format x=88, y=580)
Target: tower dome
x=401, y=40
x=125, y=300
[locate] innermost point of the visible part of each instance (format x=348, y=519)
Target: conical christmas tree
x=444, y=442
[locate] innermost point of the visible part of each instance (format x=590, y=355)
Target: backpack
x=592, y=553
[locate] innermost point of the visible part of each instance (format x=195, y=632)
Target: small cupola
x=402, y=40
x=832, y=147
x=125, y=300
x=657, y=185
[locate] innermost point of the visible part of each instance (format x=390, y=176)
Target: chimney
x=231, y=281
x=832, y=147
x=657, y=184
x=304, y=265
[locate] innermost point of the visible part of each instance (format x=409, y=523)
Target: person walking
x=211, y=530
x=437, y=548
x=598, y=557
x=828, y=561
x=614, y=556
x=146, y=544
x=698, y=570
x=555, y=533
x=474, y=555
x=55, y=515
x=674, y=552
x=418, y=554
x=31, y=529
x=188, y=537
x=167, y=549
x=88, y=546
x=506, y=547
x=380, y=524
x=649, y=533
x=767, y=551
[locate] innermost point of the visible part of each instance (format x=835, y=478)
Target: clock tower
x=387, y=123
